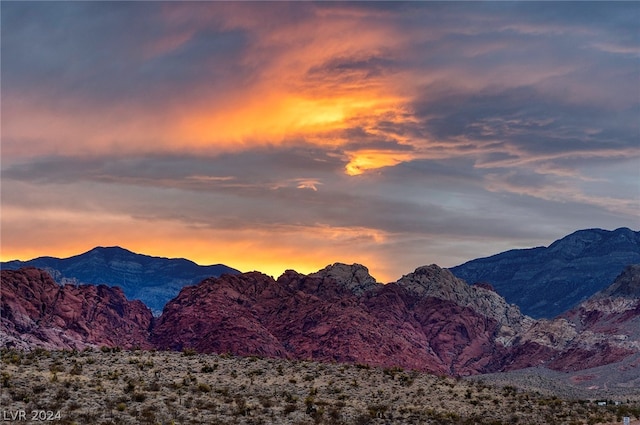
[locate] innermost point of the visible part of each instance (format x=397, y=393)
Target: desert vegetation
x=113, y=386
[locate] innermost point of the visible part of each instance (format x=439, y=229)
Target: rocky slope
x=613, y=312
x=153, y=280
x=36, y=311
x=602, y=358
x=427, y=320
x=297, y=316
x=548, y=281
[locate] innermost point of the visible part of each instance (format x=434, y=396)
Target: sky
x=273, y=136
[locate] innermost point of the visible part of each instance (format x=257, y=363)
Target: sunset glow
x=291, y=135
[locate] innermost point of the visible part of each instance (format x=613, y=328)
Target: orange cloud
x=365, y=160
x=270, y=250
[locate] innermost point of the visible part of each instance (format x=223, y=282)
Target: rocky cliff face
x=36, y=311
x=546, y=282
x=153, y=280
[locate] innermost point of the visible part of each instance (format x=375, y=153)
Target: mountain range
x=428, y=320
x=548, y=281
x=543, y=282
x=153, y=280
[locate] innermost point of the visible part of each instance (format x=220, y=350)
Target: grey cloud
x=253, y=194
x=495, y=82
x=207, y=55
x=264, y=167
x=100, y=52
x=528, y=120
x=351, y=70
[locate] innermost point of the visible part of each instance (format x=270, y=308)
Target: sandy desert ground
x=147, y=387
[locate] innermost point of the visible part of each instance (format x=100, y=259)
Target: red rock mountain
x=36, y=311
x=427, y=320
x=609, y=321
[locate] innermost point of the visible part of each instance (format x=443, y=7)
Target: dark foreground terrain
x=110, y=386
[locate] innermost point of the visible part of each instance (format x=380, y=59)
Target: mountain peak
x=154, y=280
x=546, y=282
x=354, y=277
x=584, y=241
x=434, y=281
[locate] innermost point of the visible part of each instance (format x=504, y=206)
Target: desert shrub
x=392, y=371
x=406, y=380
x=56, y=367
x=20, y=395
x=14, y=357
x=73, y=405
x=223, y=391
x=241, y=406
x=334, y=414
x=362, y=420
x=265, y=401
x=208, y=369
x=308, y=401
x=5, y=379
x=289, y=398
x=62, y=394
x=39, y=389
x=139, y=397
x=256, y=372
x=76, y=369
x=290, y=408
x=378, y=410
x=204, y=388
x=153, y=386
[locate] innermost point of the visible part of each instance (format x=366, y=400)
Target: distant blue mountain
x=153, y=280
x=547, y=281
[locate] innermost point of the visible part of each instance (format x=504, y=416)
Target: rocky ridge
x=548, y=281
x=427, y=320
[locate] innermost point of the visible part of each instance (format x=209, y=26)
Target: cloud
x=395, y=134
